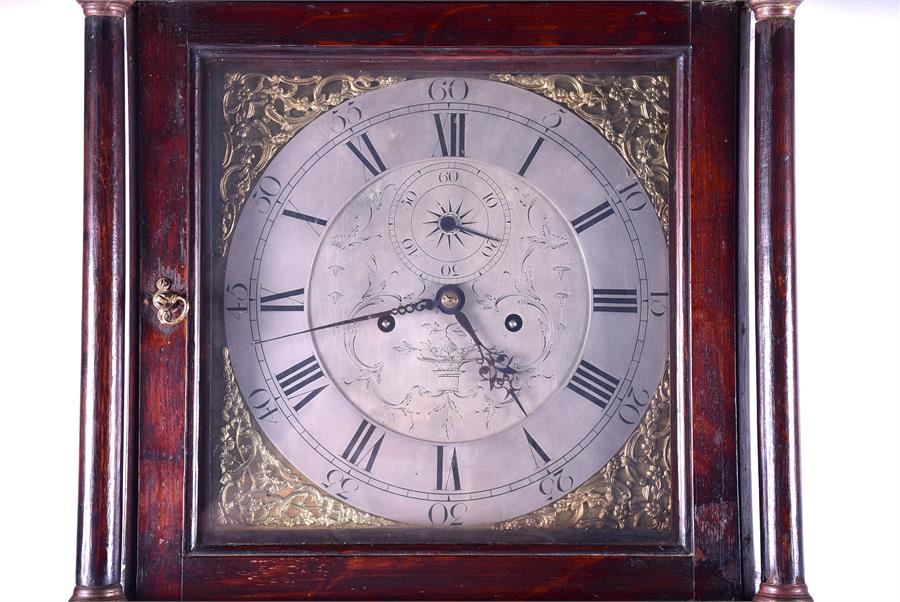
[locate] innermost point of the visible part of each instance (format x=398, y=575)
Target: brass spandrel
x=633, y=490
x=256, y=488
x=263, y=112
x=630, y=111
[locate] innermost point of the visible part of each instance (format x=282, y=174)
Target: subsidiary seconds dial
x=449, y=222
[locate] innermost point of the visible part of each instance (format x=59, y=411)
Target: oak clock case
x=437, y=304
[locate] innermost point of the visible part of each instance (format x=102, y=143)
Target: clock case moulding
x=138, y=528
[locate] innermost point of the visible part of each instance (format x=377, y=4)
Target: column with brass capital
x=98, y=574
x=776, y=306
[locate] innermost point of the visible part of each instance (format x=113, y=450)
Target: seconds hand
x=465, y=230
x=420, y=305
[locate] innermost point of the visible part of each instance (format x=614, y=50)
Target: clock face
x=445, y=301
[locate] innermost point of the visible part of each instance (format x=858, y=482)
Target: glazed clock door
x=440, y=306
x=446, y=301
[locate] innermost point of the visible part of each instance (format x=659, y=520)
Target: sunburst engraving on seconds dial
x=449, y=221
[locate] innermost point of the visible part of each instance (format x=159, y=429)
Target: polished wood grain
x=701, y=47
x=715, y=165
x=160, y=162
x=98, y=560
x=776, y=310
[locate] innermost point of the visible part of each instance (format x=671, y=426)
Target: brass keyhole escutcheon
x=171, y=308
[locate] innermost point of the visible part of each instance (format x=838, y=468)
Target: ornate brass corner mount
x=171, y=308
x=262, y=112
x=105, y=8
x=631, y=112
x=258, y=489
x=767, y=9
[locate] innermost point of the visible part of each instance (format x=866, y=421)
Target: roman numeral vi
x=449, y=477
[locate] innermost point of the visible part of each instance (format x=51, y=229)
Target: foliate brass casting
x=262, y=113
x=633, y=490
x=258, y=489
x=632, y=113
x=171, y=308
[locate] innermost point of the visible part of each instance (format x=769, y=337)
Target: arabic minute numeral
x=409, y=246
x=239, y=294
x=260, y=399
x=448, y=177
x=409, y=198
x=659, y=303
x=344, y=116
x=631, y=409
x=554, y=119
x=555, y=484
x=268, y=188
x=442, y=90
x=633, y=197
x=449, y=515
x=340, y=484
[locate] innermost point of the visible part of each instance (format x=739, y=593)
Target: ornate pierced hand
x=495, y=367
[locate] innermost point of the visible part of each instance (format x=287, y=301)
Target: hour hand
x=496, y=368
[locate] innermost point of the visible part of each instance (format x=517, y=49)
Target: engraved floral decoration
x=259, y=489
x=632, y=113
x=633, y=490
x=262, y=113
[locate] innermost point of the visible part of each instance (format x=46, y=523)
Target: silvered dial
x=376, y=219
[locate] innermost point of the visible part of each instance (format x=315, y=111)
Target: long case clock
x=436, y=301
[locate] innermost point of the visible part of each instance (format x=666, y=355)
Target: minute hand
x=420, y=305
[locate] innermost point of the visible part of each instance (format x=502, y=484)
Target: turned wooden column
x=98, y=565
x=781, y=538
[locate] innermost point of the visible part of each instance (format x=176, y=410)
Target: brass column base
x=788, y=592
x=90, y=593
